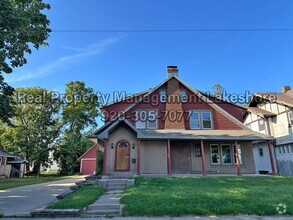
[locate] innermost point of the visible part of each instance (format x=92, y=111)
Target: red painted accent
x=138, y=157
x=237, y=159
x=271, y=158
x=91, y=153
x=105, y=158
x=203, y=158
x=169, y=158
x=88, y=167
x=123, y=140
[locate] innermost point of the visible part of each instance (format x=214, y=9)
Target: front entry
x=122, y=156
x=180, y=157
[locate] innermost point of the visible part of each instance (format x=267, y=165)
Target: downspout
x=267, y=119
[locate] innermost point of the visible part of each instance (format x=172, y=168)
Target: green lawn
x=7, y=183
x=208, y=196
x=81, y=198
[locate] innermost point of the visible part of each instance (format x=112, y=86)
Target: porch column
x=105, y=158
x=237, y=159
x=271, y=158
x=203, y=163
x=169, y=158
x=138, y=157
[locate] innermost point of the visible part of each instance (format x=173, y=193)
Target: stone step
x=98, y=207
x=108, y=212
x=116, y=185
x=115, y=188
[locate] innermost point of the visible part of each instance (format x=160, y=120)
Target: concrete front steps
x=109, y=204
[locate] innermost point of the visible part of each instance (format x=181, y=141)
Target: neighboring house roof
x=260, y=112
x=89, y=153
x=5, y=154
x=203, y=134
x=17, y=161
x=281, y=98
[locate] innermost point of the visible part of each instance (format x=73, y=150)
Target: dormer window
x=200, y=120
x=163, y=95
x=183, y=96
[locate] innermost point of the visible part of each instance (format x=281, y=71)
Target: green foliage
x=37, y=126
x=67, y=153
x=79, y=112
x=208, y=196
x=81, y=198
x=21, y=25
x=100, y=160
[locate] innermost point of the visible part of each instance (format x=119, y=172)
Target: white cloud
x=65, y=61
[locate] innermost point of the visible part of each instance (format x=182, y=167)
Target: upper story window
x=163, y=95
x=200, y=120
x=146, y=119
x=290, y=114
x=183, y=96
x=261, y=124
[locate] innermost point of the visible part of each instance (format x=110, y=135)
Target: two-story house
x=271, y=113
x=175, y=129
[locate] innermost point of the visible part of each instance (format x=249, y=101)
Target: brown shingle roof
x=282, y=98
x=259, y=111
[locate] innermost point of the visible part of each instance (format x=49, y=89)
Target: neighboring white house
x=271, y=113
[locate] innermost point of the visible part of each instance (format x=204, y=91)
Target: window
x=206, y=120
x=291, y=146
x=197, y=150
x=290, y=118
x=215, y=154
x=146, y=119
x=260, y=151
x=261, y=124
x=239, y=154
x=183, y=96
x=194, y=120
x=226, y=154
x=279, y=150
x=283, y=149
x=163, y=95
x=200, y=120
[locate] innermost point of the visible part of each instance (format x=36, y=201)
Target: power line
x=172, y=30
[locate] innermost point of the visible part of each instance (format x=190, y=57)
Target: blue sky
x=132, y=62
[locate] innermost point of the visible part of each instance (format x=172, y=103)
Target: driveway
x=24, y=199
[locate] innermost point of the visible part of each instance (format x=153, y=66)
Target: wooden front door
x=180, y=157
x=122, y=156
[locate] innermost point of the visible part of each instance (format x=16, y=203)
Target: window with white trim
x=260, y=151
x=200, y=120
x=163, y=95
x=215, y=154
x=146, y=119
x=226, y=154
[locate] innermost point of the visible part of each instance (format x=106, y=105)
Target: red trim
x=237, y=159
x=138, y=157
x=169, y=158
x=105, y=158
x=123, y=140
x=203, y=159
x=271, y=158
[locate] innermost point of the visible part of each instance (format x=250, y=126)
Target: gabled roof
x=94, y=146
x=260, y=112
x=5, y=154
x=281, y=98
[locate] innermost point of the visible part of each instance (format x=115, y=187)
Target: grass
x=81, y=198
x=7, y=183
x=208, y=196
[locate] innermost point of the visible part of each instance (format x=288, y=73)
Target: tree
x=80, y=110
x=218, y=90
x=22, y=25
x=37, y=126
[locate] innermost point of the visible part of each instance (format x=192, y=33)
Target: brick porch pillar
x=169, y=158
x=138, y=157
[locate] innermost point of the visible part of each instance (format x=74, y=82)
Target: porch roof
x=5, y=154
x=240, y=135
